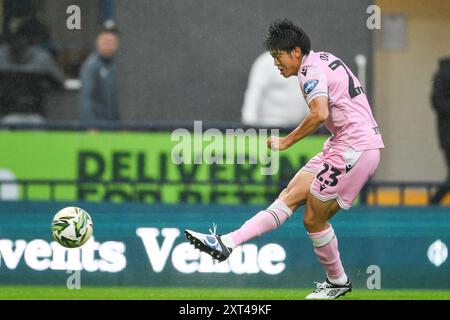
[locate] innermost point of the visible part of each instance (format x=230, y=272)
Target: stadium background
x=186, y=61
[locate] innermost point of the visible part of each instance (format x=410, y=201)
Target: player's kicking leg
x=221, y=246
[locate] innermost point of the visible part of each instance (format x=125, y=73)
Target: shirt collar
x=305, y=58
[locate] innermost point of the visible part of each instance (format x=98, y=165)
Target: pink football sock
x=262, y=222
x=326, y=248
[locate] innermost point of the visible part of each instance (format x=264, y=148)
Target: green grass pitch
x=130, y=293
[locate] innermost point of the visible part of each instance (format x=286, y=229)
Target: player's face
x=287, y=62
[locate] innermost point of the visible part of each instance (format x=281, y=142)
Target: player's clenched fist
x=277, y=143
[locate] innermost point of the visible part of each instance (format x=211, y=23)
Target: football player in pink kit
x=334, y=177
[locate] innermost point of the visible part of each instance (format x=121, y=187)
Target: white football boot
x=328, y=290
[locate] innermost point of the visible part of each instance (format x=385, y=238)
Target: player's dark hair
x=285, y=35
x=109, y=26
x=113, y=31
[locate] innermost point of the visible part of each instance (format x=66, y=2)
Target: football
x=72, y=227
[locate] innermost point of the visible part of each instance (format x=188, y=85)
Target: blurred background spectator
x=441, y=105
x=270, y=99
x=39, y=35
x=27, y=73
x=99, y=101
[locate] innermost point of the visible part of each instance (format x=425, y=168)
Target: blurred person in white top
x=272, y=100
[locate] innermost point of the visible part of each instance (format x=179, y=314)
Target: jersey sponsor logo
x=310, y=85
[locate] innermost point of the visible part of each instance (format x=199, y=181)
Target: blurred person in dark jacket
x=441, y=104
x=99, y=101
x=27, y=73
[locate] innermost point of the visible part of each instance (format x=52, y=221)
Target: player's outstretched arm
x=317, y=115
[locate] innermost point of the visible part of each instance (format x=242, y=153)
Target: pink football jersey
x=350, y=120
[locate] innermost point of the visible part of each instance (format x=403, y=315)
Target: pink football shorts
x=341, y=173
